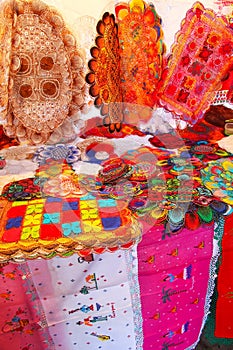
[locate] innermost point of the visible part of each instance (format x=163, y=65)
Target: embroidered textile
x=224, y=308
x=218, y=177
x=141, y=52
x=43, y=70
x=43, y=227
x=22, y=320
x=173, y=278
x=200, y=57
x=76, y=297
x=104, y=76
x=127, y=63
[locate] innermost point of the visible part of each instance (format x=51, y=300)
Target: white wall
x=171, y=11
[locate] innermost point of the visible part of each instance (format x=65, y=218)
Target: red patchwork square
x=12, y=235
x=50, y=231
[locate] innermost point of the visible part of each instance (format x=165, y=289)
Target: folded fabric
x=224, y=307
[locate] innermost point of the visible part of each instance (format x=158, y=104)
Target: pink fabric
x=224, y=306
x=173, y=278
x=22, y=322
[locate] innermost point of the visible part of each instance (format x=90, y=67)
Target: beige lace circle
x=41, y=68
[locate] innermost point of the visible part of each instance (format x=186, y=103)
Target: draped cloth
x=173, y=277
x=224, y=307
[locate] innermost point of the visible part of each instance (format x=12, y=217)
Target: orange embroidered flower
x=213, y=39
x=192, y=46
x=188, y=82
x=192, y=102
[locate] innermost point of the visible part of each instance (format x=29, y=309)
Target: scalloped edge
x=61, y=29
x=21, y=256
x=174, y=48
x=31, y=249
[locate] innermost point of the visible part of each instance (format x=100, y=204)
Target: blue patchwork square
x=53, y=200
x=14, y=222
x=71, y=205
x=106, y=203
x=111, y=223
x=72, y=228
x=53, y=218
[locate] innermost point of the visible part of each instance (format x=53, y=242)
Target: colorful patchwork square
x=70, y=215
x=46, y=227
x=12, y=229
x=71, y=228
x=52, y=218
x=17, y=211
x=14, y=222
x=50, y=232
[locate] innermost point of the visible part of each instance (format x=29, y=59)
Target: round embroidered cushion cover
x=41, y=70
x=126, y=64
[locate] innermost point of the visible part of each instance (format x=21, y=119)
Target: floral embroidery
x=196, y=68
x=185, y=60
x=67, y=153
x=183, y=96
x=213, y=39
x=188, y=82
x=205, y=53
x=200, y=43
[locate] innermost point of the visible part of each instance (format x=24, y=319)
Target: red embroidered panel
x=200, y=57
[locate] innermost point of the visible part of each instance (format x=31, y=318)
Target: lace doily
x=42, y=70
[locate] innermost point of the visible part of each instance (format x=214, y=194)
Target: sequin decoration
x=104, y=75
x=201, y=56
x=43, y=78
